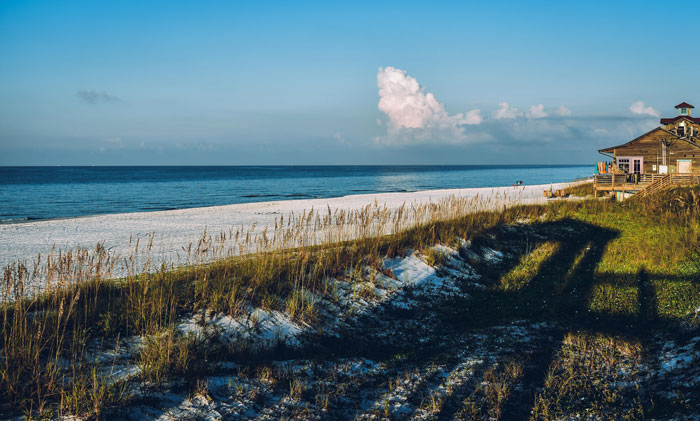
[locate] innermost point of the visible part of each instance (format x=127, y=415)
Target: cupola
x=684, y=109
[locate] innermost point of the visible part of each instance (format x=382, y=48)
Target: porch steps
x=658, y=185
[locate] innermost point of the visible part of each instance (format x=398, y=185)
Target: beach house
x=660, y=158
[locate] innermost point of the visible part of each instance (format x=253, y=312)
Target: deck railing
x=612, y=179
x=650, y=178
x=629, y=181
x=685, y=179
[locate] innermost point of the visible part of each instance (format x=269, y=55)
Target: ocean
x=36, y=193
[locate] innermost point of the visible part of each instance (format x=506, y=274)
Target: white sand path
x=175, y=229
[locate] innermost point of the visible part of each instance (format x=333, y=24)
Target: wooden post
x=595, y=186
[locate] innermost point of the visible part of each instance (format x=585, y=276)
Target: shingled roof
x=612, y=148
x=683, y=105
x=695, y=120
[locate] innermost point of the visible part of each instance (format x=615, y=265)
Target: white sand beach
x=176, y=229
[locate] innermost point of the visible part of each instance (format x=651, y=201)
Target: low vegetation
x=581, y=374
x=603, y=277
x=581, y=189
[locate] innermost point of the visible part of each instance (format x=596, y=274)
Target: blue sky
x=173, y=83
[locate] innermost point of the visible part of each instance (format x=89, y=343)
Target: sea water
x=35, y=193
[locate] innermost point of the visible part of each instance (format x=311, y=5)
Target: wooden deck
x=637, y=182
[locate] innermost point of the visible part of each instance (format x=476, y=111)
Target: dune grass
x=645, y=268
x=573, y=381
x=581, y=189
x=51, y=311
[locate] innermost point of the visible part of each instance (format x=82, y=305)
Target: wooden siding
x=649, y=147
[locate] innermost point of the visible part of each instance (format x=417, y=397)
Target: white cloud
x=505, y=111
x=537, y=111
x=563, y=111
x=414, y=115
x=639, y=108
x=339, y=137
x=584, y=132
x=473, y=117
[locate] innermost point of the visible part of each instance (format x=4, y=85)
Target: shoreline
x=174, y=229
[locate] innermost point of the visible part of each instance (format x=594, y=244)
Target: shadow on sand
x=558, y=295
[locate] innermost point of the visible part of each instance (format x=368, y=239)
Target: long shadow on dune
x=559, y=293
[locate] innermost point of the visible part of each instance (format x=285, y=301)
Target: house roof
x=695, y=120
x=683, y=105
x=612, y=148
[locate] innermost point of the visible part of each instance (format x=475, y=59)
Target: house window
x=624, y=164
x=684, y=111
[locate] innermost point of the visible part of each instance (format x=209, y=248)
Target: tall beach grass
x=55, y=308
